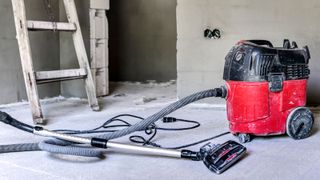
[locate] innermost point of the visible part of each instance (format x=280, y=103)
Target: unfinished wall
x=201, y=61
x=45, y=47
x=142, y=40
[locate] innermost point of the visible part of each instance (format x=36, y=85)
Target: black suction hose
x=6, y=118
x=64, y=147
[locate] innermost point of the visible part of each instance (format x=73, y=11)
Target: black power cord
x=109, y=126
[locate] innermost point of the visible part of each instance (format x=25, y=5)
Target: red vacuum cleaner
x=265, y=92
x=266, y=89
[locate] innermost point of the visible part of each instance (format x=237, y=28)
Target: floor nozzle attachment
x=221, y=157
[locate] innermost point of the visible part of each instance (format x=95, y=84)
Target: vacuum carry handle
x=261, y=42
x=6, y=118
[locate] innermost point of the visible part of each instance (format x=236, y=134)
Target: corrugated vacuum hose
x=217, y=157
x=71, y=148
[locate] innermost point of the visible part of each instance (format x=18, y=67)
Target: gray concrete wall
x=200, y=61
x=142, y=40
x=45, y=47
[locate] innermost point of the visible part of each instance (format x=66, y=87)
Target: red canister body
x=253, y=109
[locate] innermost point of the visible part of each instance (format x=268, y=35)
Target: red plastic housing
x=253, y=109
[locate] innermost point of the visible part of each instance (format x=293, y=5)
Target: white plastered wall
x=200, y=61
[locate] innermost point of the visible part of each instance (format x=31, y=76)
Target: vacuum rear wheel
x=299, y=123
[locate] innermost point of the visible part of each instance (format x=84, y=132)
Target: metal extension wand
x=102, y=143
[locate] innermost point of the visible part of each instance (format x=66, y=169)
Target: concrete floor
x=277, y=157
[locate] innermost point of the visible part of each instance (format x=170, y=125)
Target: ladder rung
x=46, y=25
x=59, y=75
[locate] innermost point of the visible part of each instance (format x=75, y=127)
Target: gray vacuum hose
x=64, y=147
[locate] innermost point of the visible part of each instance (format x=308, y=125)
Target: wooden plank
x=81, y=53
x=100, y=4
x=26, y=59
x=45, y=26
x=99, y=50
x=60, y=75
x=101, y=80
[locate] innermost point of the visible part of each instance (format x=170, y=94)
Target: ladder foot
x=95, y=108
x=39, y=120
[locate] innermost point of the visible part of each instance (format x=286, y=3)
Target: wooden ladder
x=33, y=78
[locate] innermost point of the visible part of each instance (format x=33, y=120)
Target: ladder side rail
x=22, y=36
x=81, y=52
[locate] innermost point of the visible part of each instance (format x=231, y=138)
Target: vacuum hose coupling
x=187, y=154
x=221, y=92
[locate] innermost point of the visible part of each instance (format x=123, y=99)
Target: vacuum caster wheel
x=244, y=138
x=299, y=123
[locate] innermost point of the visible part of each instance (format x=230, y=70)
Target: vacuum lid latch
x=276, y=81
